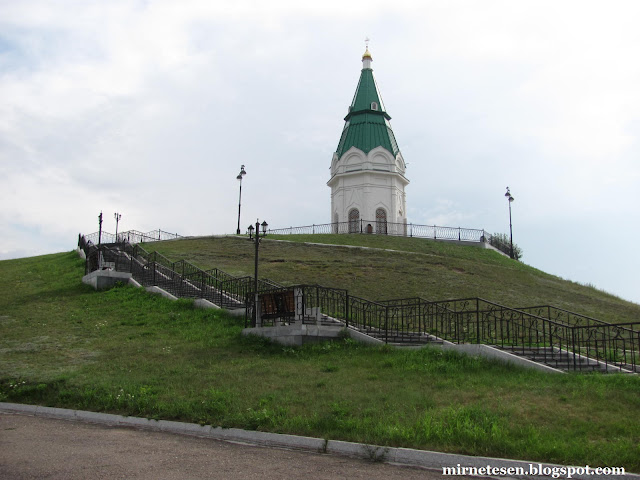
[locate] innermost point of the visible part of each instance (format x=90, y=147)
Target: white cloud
x=150, y=108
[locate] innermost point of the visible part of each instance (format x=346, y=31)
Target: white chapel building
x=368, y=171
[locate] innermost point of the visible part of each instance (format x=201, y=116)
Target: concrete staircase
x=562, y=360
x=403, y=339
x=193, y=285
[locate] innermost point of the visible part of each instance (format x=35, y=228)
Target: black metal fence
x=566, y=341
x=552, y=335
x=181, y=278
x=283, y=305
x=387, y=228
x=130, y=236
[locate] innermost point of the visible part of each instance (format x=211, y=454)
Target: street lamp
x=99, y=228
x=117, y=216
x=510, y=199
x=256, y=239
x=239, y=178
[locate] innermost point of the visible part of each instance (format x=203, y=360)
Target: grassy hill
x=125, y=351
x=416, y=267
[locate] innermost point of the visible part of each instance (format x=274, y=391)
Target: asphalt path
x=45, y=448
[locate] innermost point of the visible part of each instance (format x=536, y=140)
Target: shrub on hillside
x=503, y=243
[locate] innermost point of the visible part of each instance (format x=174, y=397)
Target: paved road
x=37, y=447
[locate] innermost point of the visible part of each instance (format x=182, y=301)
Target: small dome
x=367, y=55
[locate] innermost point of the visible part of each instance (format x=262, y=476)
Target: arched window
x=374, y=106
x=381, y=221
x=354, y=220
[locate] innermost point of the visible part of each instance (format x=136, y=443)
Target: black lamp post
x=117, y=216
x=100, y=228
x=510, y=199
x=239, y=178
x=256, y=239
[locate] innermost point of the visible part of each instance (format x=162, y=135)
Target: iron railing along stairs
x=548, y=335
x=181, y=279
x=544, y=334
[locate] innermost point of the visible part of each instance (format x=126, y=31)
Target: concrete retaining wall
x=104, y=279
x=296, y=334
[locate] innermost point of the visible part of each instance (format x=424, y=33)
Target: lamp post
x=510, y=199
x=99, y=228
x=256, y=239
x=117, y=216
x=239, y=178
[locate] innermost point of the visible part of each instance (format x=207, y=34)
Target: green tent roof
x=367, y=123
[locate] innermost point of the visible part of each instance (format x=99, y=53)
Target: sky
x=149, y=108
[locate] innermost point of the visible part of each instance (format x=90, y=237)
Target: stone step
x=554, y=358
x=403, y=339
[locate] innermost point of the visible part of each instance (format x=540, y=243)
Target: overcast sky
x=148, y=108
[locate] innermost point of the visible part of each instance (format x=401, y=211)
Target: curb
x=402, y=456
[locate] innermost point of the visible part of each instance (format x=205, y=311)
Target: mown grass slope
x=414, y=267
x=125, y=351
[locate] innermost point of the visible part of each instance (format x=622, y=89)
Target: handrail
x=466, y=320
x=131, y=236
x=388, y=228
x=573, y=318
x=179, y=278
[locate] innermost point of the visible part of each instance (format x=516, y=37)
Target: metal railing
x=387, y=228
x=548, y=334
x=575, y=341
x=564, y=316
x=130, y=236
x=574, y=346
x=181, y=278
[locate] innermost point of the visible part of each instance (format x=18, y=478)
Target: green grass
x=125, y=351
x=424, y=268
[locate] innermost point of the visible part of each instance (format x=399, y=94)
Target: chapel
x=367, y=170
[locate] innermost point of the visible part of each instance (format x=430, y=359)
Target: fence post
x=386, y=324
x=477, y=320
x=346, y=310
x=434, y=232
x=551, y=341
x=573, y=346
x=544, y=339
x=300, y=303
x=182, y=282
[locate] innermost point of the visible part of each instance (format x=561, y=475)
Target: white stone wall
x=368, y=182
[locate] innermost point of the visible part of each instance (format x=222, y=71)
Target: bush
x=503, y=243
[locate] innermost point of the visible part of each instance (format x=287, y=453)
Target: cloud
x=150, y=108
